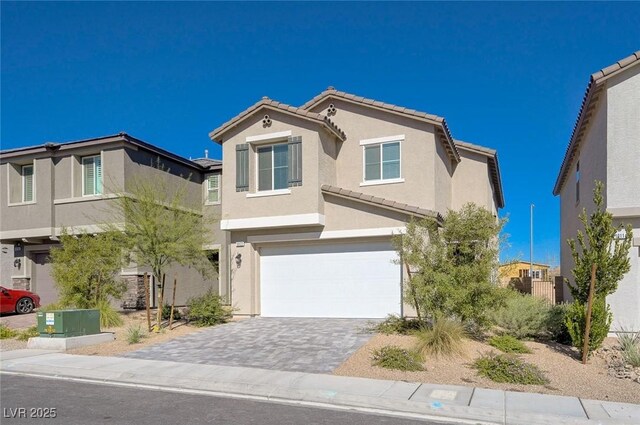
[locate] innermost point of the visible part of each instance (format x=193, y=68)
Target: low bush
x=556, y=324
x=508, y=344
x=109, y=317
x=393, y=324
x=25, y=334
x=576, y=318
x=52, y=307
x=166, y=313
x=444, y=338
x=135, y=334
x=208, y=310
x=509, y=368
x=630, y=345
x=522, y=316
x=393, y=357
x=6, y=332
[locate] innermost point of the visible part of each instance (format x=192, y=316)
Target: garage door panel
x=341, y=280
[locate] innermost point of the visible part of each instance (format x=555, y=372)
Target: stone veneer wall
x=23, y=283
x=134, y=297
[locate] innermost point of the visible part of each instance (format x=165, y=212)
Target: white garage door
x=338, y=280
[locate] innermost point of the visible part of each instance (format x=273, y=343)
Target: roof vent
x=331, y=88
x=265, y=97
x=206, y=153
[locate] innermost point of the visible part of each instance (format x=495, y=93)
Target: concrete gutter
x=437, y=402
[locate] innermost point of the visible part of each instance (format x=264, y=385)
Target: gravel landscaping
x=567, y=375
x=120, y=345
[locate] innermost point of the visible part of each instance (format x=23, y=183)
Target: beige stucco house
x=72, y=185
x=313, y=194
x=605, y=146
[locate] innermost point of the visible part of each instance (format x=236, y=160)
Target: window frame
x=83, y=167
x=381, y=143
x=208, y=189
x=33, y=183
x=273, y=190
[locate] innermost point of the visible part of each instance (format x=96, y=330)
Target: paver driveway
x=294, y=344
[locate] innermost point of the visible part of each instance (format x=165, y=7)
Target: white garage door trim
x=350, y=280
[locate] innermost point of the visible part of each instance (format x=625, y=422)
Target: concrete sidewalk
x=439, y=402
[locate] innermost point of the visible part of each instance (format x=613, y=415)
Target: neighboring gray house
x=317, y=192
x=605, y=146
x=52, y=186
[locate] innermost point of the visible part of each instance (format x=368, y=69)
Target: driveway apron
x=293, y=344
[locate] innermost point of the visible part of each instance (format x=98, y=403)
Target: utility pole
x=531, y=243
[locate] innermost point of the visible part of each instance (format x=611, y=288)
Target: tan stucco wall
x=418, y=151
x=593, y=160
x=471, y=182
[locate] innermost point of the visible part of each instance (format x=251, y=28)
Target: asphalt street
x=30, y=400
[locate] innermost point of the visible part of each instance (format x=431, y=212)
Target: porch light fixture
x=238, y=259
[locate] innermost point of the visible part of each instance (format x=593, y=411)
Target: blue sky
x=504, y=75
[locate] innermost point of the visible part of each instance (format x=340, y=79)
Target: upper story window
x=91, y=175
x=577, y=182
x=381, y=159
x=273, y=167
x=213, y=189
x=27, y=183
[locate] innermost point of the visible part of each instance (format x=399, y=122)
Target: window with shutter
x=27, y=183
x=242, y=167
x=91, y=175
x=295, y=161
x=213, y=189
x=273, y=167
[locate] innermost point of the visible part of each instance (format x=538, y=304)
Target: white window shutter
x=98, y=166
x=27, y=175
x=89, y=176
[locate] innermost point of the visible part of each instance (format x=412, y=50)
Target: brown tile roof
x=381, y=202
x=440, y=123
x=267, y=103
x=494, y=167
x=589, y=103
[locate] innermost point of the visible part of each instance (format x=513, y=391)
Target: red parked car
x=17, y=300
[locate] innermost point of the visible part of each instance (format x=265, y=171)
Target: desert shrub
x=135, y=334
x=509, y=368
x=444, y=338
x=208, y=310
x=109, y=317
x=508, y=344
x=393, y=324
x=6, y=332
x=25, y=334
x=393, y=357
x=576, y=319
x=52, y=307
x=556, y=324
x=522, y=316
x=630, y=345
x=166, y=313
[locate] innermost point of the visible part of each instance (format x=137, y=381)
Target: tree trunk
x=173, y=302
x=147, y=300
x=159, y=315
x=587, y=326
x=413, y=293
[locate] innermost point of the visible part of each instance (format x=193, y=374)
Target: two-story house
x=605, y=146
x=47, y=188
x=313, y=195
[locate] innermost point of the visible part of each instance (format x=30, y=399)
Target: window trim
x=381, y=142
x=33, y=184
x=82, y=167
x=207, y=189
x=271, y=191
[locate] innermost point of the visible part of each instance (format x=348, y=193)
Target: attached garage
x=341, y=280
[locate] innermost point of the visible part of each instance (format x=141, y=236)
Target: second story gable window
x=27, y=183
x=381, y=160
x=213, y=189
x=273, y=168
x=577, y=182
x=91, y=175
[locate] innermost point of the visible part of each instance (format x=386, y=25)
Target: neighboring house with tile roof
x=72, y=185
x=313, y=195
x=605, y=146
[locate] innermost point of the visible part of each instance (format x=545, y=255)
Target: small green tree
x=163, y=226
x=599, y=245
x=85, y=269
x=453, y=266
